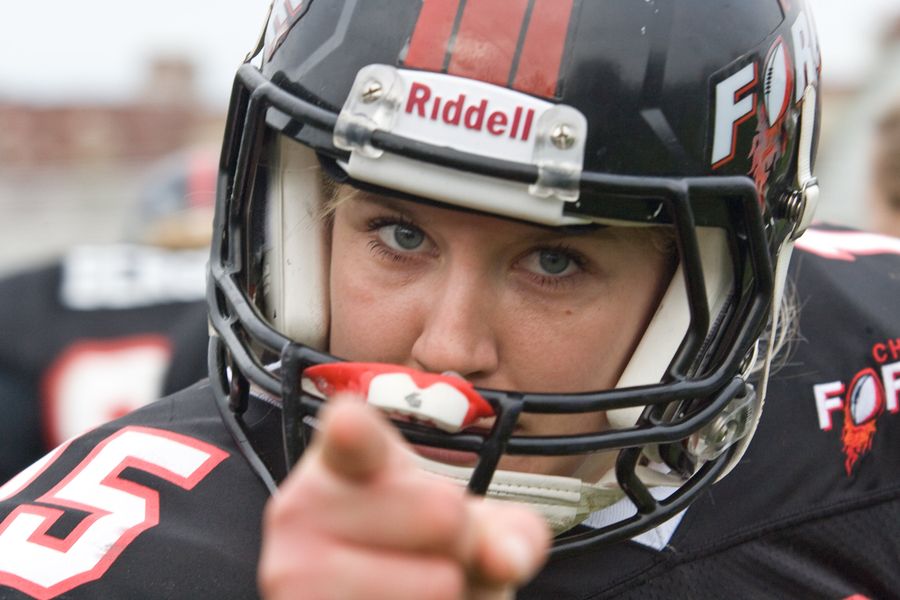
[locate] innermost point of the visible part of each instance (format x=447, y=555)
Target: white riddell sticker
x=467, y=114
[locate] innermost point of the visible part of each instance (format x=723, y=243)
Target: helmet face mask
x=383, y=121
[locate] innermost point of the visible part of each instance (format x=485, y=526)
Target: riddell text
x=474, y=115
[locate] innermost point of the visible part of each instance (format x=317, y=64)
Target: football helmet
x=698, y=116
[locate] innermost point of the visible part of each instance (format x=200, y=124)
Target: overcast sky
x=60, y=50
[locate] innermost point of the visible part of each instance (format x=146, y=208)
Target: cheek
x=369, y=317
x=568, y=350
x=586, y=345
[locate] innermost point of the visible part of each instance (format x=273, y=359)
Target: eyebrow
x=394, y=204
x=400, y=205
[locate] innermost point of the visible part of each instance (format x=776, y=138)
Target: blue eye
x=401, y=237
x=554, y=262
x=408, y=238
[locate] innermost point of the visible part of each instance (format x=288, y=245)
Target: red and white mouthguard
x=447, y=402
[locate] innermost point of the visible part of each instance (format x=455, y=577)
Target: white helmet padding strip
x=667, y=328
x=669, y=324
x=466, y=190
x=297, y=255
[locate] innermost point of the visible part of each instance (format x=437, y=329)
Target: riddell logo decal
x=473, y=114
x=870, y=394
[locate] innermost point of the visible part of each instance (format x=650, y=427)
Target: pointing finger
x=355, y=442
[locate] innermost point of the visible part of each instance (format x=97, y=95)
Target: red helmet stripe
x=545, y=42
x=515, y=43
x=431, y=37
x=487, y=40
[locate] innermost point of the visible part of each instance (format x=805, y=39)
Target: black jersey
x=105, y=330
x=162, y=504
x=158, y=504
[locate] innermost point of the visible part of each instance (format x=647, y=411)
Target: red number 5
x=118, y=510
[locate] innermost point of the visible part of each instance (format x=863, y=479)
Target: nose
x=456, y=332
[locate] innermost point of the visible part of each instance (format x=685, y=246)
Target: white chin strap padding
x=297, y=255
x=564, y=502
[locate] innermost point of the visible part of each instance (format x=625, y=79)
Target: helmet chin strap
x=563, y=501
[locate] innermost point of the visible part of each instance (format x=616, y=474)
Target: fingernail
x=520, y=555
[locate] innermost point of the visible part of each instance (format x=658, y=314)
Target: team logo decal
x=284, y=14
x=870, y=395
x=765, y=91
x=523, y=49
x=777, y=82
x=735, y=103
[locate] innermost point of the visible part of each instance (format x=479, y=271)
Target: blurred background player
x=107, y=328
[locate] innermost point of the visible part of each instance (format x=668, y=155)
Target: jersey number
x=117, y=510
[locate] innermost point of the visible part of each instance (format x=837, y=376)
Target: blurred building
x=71, y=173
x=164, y=117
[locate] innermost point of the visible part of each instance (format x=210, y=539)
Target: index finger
x=355, y=442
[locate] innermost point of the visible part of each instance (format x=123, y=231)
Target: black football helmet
x=695, y=115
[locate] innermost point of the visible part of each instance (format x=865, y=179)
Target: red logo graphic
x=514, y=43
x=864, y=404
x=869, y=395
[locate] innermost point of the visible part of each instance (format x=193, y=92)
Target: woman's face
x=504, y=304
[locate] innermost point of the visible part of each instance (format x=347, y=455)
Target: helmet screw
x=793, y=206
x=372, y=91
x=562, y=136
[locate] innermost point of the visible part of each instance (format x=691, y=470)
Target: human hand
x=356, y=518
